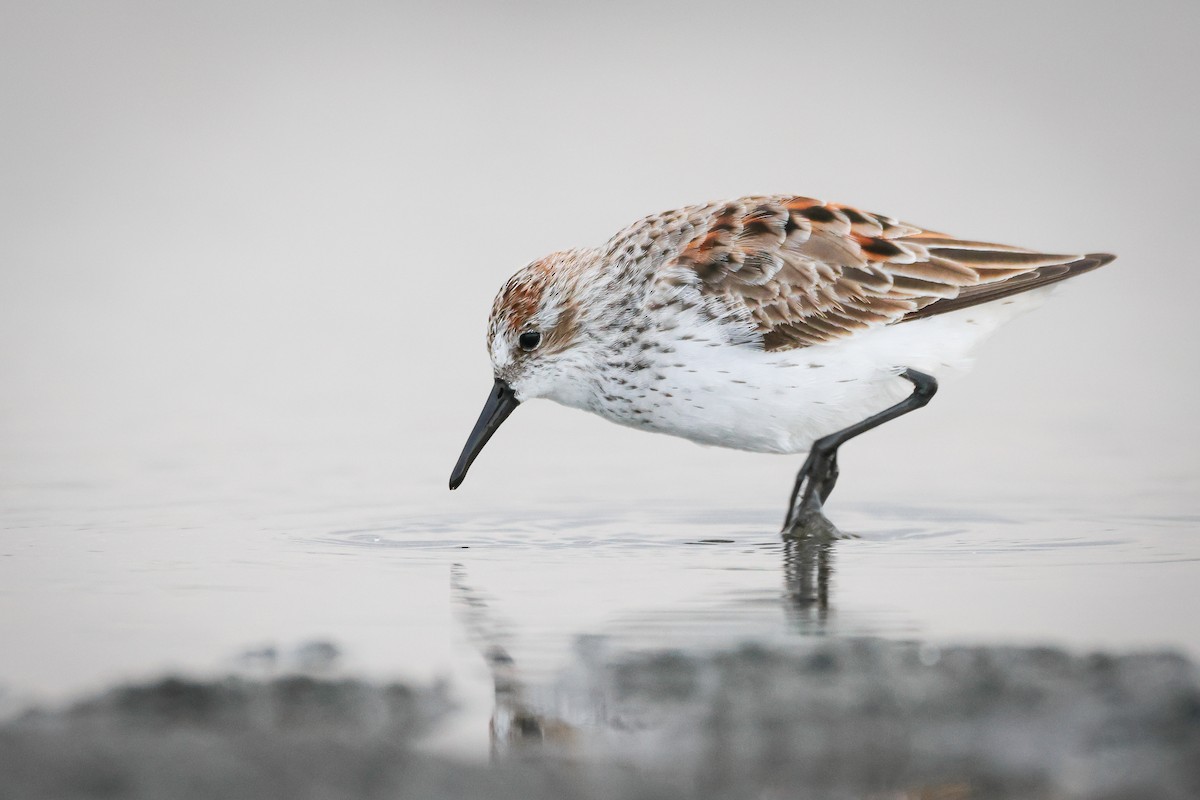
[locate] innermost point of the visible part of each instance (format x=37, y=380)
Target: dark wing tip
x=1022, y=282
x=1100, y=258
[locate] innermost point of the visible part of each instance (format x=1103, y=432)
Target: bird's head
x=534, y=327
x=533, y=337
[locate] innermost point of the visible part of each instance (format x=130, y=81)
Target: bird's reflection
x=516, y=724
x=807, y=582
x=592, y=720
x=711, y=693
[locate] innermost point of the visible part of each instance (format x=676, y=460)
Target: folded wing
x=807, y=272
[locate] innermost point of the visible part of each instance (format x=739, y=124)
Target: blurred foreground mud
x=865, y=718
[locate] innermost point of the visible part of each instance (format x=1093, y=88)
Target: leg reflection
x=807, y=579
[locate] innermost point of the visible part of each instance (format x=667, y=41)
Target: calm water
x=625, y=644
x=196, y=567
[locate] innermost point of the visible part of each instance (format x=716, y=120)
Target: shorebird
x=775, y=324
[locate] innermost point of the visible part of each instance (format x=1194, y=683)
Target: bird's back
x=767, y=322
x=803, y=272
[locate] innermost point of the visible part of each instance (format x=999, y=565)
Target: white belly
x=747, y=399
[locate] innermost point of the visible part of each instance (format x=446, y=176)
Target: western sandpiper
x=774, y=324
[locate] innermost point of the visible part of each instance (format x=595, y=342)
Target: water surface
x=116, y=579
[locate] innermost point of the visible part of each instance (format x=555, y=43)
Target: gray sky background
x=238, y=228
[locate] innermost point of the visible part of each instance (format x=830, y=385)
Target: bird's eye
x=529, y=340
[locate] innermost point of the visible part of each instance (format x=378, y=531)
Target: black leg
x=817, y=477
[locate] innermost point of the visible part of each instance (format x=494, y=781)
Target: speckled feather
x=758, y=323
x=808, y=272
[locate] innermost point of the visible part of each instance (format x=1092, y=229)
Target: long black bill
x=500, y=404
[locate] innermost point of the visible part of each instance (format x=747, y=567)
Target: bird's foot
x=814, y=483
x=810, y=523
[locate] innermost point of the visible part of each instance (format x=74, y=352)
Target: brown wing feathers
x=809, y=272
x=1020, y=282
